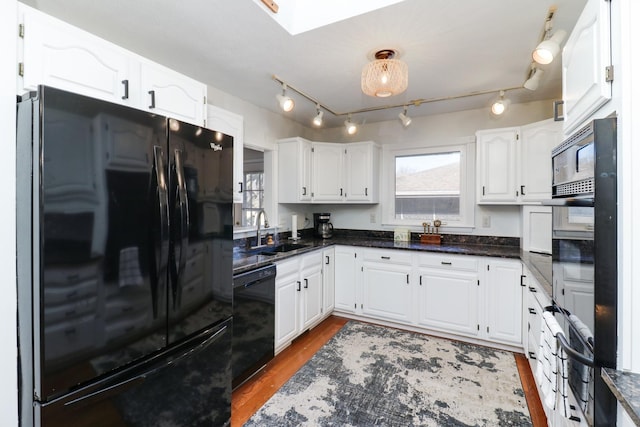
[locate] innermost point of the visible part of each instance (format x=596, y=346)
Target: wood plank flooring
x=249, y=397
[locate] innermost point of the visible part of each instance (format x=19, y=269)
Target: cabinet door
x=294, y=170
x=386, y=291
x=448, y=300
x=60, y=55
x=503, y=292
x=231, y=124
x=311, y=305
x=327, y=172
x=171, y=94
x=538, y=139
x=328, y=280
x=345, y=279
x=496, y=165
x=360, y=167
x=287, y=295
x=585, y=57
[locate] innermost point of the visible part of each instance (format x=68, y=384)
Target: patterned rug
x=369, y=375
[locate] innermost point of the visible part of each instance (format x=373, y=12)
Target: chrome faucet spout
x=262, y=214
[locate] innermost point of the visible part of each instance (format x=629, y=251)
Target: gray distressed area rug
x=369, y=375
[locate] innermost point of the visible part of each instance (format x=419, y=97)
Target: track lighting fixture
x=550, y=46
x=317, y=120
x=286, y=103
x=500, y=105
x=406, y=120
x=533, y=81
x=350, y=126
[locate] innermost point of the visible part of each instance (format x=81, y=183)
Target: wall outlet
x=486, y=221
x=372, y=218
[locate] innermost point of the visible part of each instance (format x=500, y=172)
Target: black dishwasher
x=253, y=322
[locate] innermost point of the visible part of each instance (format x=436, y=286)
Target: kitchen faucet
x=266, y=225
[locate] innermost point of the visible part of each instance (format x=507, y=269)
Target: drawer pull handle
x=532, y=355
x=532, y=289
x=299, y=284
x=327, y=257
x=306, y=283
x=445, y=262
x=153, y=98
x=532, y=311
x=385, y=257
x=126, y=89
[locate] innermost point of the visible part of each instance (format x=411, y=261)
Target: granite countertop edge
x=243, y=263
x=625, y=386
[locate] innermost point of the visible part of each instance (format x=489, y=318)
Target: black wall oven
x=584, y=256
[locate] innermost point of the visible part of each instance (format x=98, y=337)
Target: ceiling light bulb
x=533, y=82
x=406, y=120
x=350, y=126
x=317, y=120
x=549, y=49
x=500, y=105
x=285, y=102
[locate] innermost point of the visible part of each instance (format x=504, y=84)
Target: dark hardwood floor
x=250, y=396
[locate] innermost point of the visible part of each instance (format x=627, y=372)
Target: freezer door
x=201, y=243
x=186, y=386
x=99, y=239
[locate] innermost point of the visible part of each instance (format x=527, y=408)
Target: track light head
x=350, y=126
x=406, y=120
x=286, y=103
x=549, y=49
x=317, y=120
x=533, y=82
x=500, y=105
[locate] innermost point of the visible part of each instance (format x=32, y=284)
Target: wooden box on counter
x=431, y=239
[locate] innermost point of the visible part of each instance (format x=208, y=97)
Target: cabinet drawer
x=70, y=276
x=287, y=268
x=79, y=291
x=311, y=260
x=69, y=311
x=454, y=262
x=389, y=256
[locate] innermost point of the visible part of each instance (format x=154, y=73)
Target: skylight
x=297, y=16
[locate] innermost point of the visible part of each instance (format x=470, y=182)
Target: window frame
x=467, y=185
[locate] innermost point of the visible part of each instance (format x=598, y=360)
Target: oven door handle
x=569, y=201
x=572, y=353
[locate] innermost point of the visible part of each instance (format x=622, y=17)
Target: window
x=253, y=197
x=429, y=183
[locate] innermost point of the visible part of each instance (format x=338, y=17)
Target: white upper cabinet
x=514, y=164
x=496, y=150
x=324, y=172
x=60, y=55
x=294, y=170
x=224, y=121
x=361, y=166
x=538, y=139
x=172, y=94
x=57, y=54
x=328, y=178
x=586, y=82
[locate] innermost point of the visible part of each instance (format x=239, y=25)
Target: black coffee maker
x=322, y=226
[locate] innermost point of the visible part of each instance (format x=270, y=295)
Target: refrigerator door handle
x=163, y=233
x=184, y=214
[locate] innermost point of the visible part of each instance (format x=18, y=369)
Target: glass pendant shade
x=385, y=76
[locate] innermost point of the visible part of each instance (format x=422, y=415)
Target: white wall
x=8, y=302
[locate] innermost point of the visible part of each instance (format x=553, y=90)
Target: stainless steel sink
x=274, y=250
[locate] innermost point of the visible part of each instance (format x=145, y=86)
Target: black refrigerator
x=125, y=242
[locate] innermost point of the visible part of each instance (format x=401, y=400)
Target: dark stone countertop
x=625, y=386
x=244, y=262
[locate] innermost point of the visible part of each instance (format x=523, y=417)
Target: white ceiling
x=452, y=47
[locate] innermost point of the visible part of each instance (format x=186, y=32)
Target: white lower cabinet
x=448, y=300
x=328, y=280
x=503, y=301
x=346, y=267
x=386, y=289
x=299, y=296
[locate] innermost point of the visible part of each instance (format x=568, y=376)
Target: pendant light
x=384, y=76
x=350, y=126
x=317, y=120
